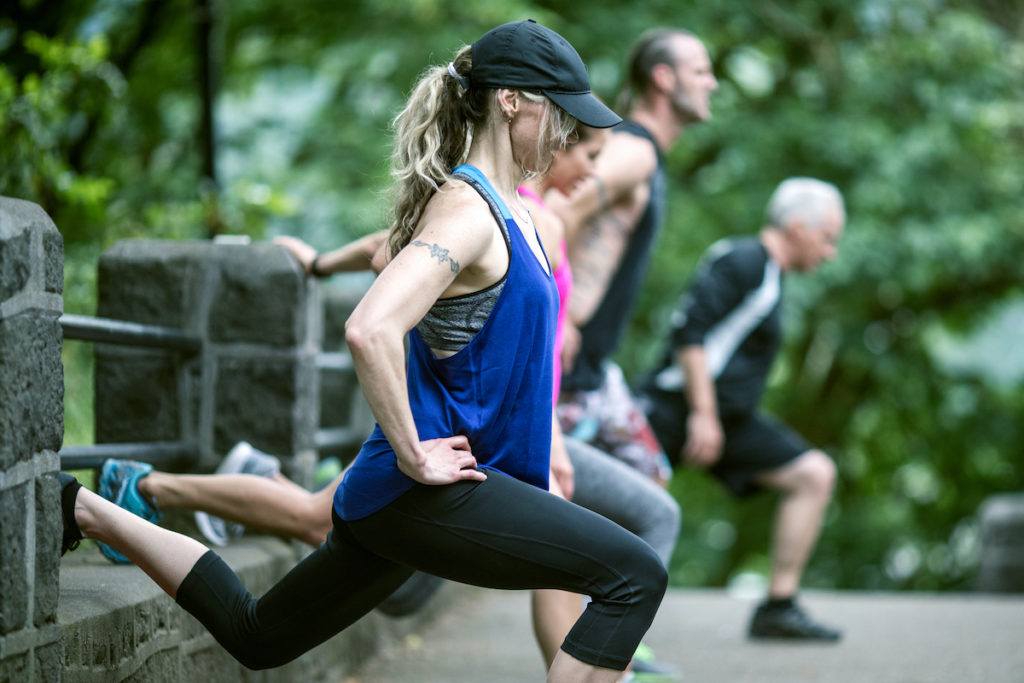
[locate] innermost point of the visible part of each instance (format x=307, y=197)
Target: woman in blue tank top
x=453, y=480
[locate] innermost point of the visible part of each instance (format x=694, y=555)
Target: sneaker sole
x=205, y=523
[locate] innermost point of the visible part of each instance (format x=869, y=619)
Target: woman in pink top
x=580, y=472
x=571, y=167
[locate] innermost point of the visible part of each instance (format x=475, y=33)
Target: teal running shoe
x=119, y=483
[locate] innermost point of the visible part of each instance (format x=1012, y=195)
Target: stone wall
x=259, y=319
x=117, y=625
x=31, y=430
x=79, y=618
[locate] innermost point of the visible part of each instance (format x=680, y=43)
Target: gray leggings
x=632, y=500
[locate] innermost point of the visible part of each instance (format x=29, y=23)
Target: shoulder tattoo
x=438, y=253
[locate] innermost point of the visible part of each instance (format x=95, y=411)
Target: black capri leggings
x=499, y=533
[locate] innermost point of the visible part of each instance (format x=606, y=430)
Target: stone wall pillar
x=1001, y=561
x=31, y=430
x=255, y=380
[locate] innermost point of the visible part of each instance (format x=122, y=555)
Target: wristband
x=314, y=268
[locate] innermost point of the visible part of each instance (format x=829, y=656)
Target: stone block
x=32, y=377
x=19, y=220
x=137, y=397
x=1001, y=561
x=16, y=669
x=256, y=400
x=47, y=661
x=49, y=527
x=212, y=664
x=53, y=261
x=260, y=297
x=163, y=666
x=151, y=282
x=15, y=263
x=338, y=391
x=14, y=588
x=338, y=306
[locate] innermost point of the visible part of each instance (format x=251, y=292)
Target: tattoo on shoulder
x=440, y=254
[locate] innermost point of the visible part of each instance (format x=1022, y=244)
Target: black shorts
x=754, y=443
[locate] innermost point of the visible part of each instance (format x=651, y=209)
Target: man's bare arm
x=594, y=258
x=704, y=430
x=600, y=216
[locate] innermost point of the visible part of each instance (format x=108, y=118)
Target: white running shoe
x=242, y=459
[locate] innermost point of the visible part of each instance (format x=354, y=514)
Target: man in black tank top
x=612, y=221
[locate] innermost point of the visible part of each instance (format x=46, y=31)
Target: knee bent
x=258, y=654
x=257, y=661
x=673, y=515
x=823, y=472
x=813, y=473
x=645, y=577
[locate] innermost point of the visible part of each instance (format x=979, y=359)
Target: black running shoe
x=789, y=623
x=68, y=493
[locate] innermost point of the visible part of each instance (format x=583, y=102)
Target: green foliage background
x=902, y=358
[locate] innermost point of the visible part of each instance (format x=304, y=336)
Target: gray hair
x=806, y=199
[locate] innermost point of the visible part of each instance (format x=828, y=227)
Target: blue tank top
x=496, y=390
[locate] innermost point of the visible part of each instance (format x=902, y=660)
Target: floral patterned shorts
x=610, y=419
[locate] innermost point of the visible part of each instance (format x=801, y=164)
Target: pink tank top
x=563, y=279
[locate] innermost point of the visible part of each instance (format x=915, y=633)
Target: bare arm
x=625, y=163
x=595, y=255
x=356, y=255
x=704, y=430
x=561, y=467
x=450, y=241
x=600, y=216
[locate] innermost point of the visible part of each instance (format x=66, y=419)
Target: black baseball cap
x=524, y=54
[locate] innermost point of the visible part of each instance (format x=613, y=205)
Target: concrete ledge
x=116, y=624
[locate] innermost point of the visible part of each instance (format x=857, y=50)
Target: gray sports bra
x=452, y=323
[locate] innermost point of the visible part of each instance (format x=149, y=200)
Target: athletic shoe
x=790, y=623
x=647, y=669
x=242, y=459
x=119, y=483
x=72, y=535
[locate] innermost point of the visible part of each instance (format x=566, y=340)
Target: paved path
x=889, y=638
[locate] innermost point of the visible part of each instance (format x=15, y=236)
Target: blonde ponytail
x=433, y=132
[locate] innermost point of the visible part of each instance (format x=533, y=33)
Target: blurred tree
x=914, y=110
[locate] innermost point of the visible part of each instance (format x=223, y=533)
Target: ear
x=796, y=226
x=508, y=101
x=663, y=77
